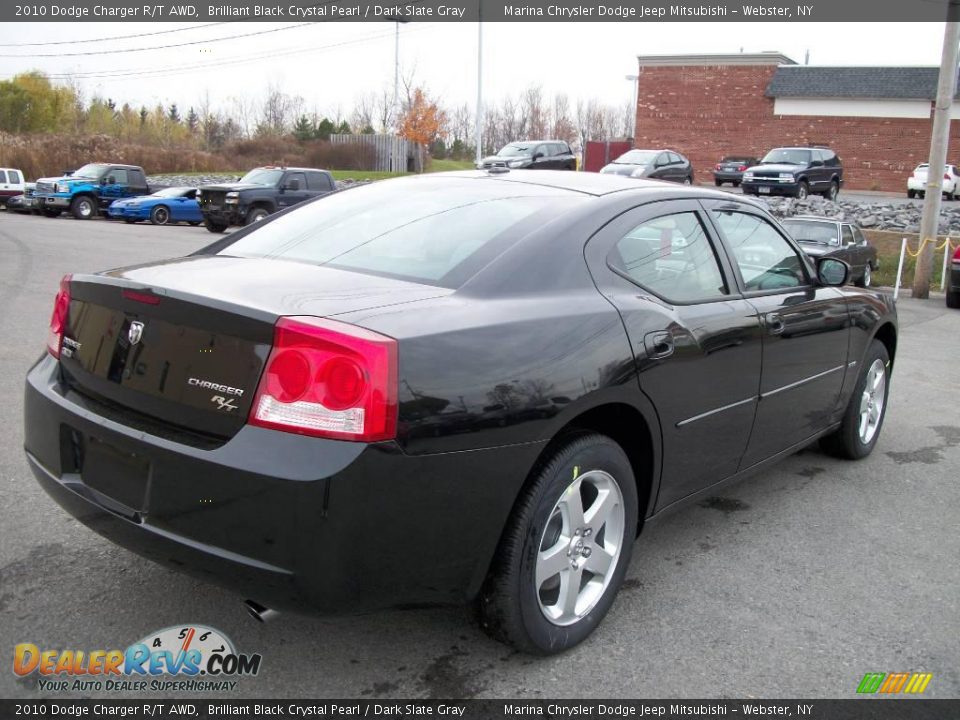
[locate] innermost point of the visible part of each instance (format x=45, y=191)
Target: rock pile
x=872, y=216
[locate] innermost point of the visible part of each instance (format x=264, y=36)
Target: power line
x=237, y=60
x=112, y=37
x=160, y=47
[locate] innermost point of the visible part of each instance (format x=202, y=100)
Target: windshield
x=787, y=156
x=262, y=176
x=636, y=157
x=171, y=192
x=432, y=231
x=515, y=150
x=93, y=170
x=819, y=233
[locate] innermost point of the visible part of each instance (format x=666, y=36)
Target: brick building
x=877, y=119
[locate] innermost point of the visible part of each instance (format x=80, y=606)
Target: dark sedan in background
x=823, y=237
x=449, y=388
x=652, y=164
x=731, y=169
x=953, y=281
x=533, y=155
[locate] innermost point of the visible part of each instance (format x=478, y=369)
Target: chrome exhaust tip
x=258, y=612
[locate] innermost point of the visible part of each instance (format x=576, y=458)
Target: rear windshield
x=821, y=233
x=438, y=232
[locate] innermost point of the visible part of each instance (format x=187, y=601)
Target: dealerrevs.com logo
x=184, y=657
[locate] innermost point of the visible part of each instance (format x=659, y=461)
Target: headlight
x=786, y=176
x=638, y=172
x=515, y=163
x=748, y=176
x=232, y=197
x=61, y=188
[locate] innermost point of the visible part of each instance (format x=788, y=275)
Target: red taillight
x=141, y=297
x=946, y=176
x=329, y=379
x=59, y=318
x=718, y=166
x=741, y=168
x=956, y=255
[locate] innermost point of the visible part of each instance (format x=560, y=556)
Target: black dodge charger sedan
x=450, y=388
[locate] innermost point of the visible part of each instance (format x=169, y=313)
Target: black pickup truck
x=259, y=193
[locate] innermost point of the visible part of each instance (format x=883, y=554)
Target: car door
x=805, y=331
x=678, y=168
x=293, y=189
x=696, y=341
x=865, y=251
x=849, y=251
x=319, y=183
x=136, y=183
x=113, y=186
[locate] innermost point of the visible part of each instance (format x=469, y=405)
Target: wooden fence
x=394, y=154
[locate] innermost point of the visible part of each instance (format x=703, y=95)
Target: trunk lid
x=184, y=342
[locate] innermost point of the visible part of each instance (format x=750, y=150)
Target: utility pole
x=479, y=127
x=940, y=137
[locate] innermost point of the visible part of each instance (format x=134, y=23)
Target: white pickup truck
x=11, y=184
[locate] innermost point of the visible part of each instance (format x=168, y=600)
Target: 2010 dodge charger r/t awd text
x=450, y=388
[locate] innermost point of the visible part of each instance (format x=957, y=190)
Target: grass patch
x=888, y=251
x=448, y=165
x=435, y=166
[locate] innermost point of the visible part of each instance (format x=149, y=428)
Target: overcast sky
x=329, y=65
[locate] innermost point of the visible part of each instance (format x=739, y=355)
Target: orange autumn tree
x=423, y=120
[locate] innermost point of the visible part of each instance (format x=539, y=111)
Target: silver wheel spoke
x=596, y=515
x=571, y=505
x=553, y=561
x=570, y=592
x=600, y=561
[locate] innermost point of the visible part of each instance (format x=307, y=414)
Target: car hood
x=814, y=250
x=621, y=169
x=775, y=167
x=229, y=187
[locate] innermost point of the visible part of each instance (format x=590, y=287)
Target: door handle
x=658, y=344
x=775, y=323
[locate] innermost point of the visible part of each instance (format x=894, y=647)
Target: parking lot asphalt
x=793, y=583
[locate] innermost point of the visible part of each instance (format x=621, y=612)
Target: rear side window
x=3, y=176
x=438, y=232
x=674, y=158
x=847, y=235
x=14, y=176
x=137, y=178
x=318, y=181
x=672, y=257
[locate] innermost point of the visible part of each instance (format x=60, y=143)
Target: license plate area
x=115, y=473
x=763, y=190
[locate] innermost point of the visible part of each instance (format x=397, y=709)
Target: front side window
x=672, y=257
x=3, y=176
x=298, y=179
x=14, y=176
x=766, y=260
x=117, y=176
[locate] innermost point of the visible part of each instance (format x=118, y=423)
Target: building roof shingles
x=918, y=83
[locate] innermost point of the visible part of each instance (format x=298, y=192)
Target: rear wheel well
x=627, y=427
x=888, y=336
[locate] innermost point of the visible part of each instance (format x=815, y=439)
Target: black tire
x=911, y=194
x=510, y=601
x=214, y=227
x=921, y=194
x=160, y=215
x=736, y=183
x=256, y=215
x=718, y=183
x=688, y=180
x=846, y=441
x=83, y=207
x=953, y=299
x=129, y=221
x=833, y=192
x=866, y=278
x=803, y=190
x=193, y=223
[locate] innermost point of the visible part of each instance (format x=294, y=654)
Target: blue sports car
x=170, y=205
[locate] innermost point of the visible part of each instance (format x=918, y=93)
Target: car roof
x=817, y=218
x=589, y=183
x=296, y=169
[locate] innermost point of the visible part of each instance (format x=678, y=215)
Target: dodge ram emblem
x=135, y=332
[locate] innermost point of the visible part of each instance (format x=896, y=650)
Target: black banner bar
x=473, y=10
x=872, y=708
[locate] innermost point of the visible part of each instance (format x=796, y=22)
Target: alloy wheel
x=872, y=401
x=580, y=547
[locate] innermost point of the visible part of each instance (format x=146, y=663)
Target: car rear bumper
x=290, y=521
x=727, y=176
x=921, y=185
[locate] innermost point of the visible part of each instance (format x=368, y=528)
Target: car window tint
x=766, y=260
x=14, y=176
x=859, y=237
x=674, y=158
x=3, y=176
x=191, y=194
x=299, y=178
x=847, y=235
x=435, y=231
x=318, y=181
x=672, y=257
x=118, y=176
x=137, y=178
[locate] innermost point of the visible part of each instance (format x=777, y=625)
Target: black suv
x=259, y=193
x=796, y=171
x=533, y=155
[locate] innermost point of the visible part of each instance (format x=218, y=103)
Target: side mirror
x=832, y=272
